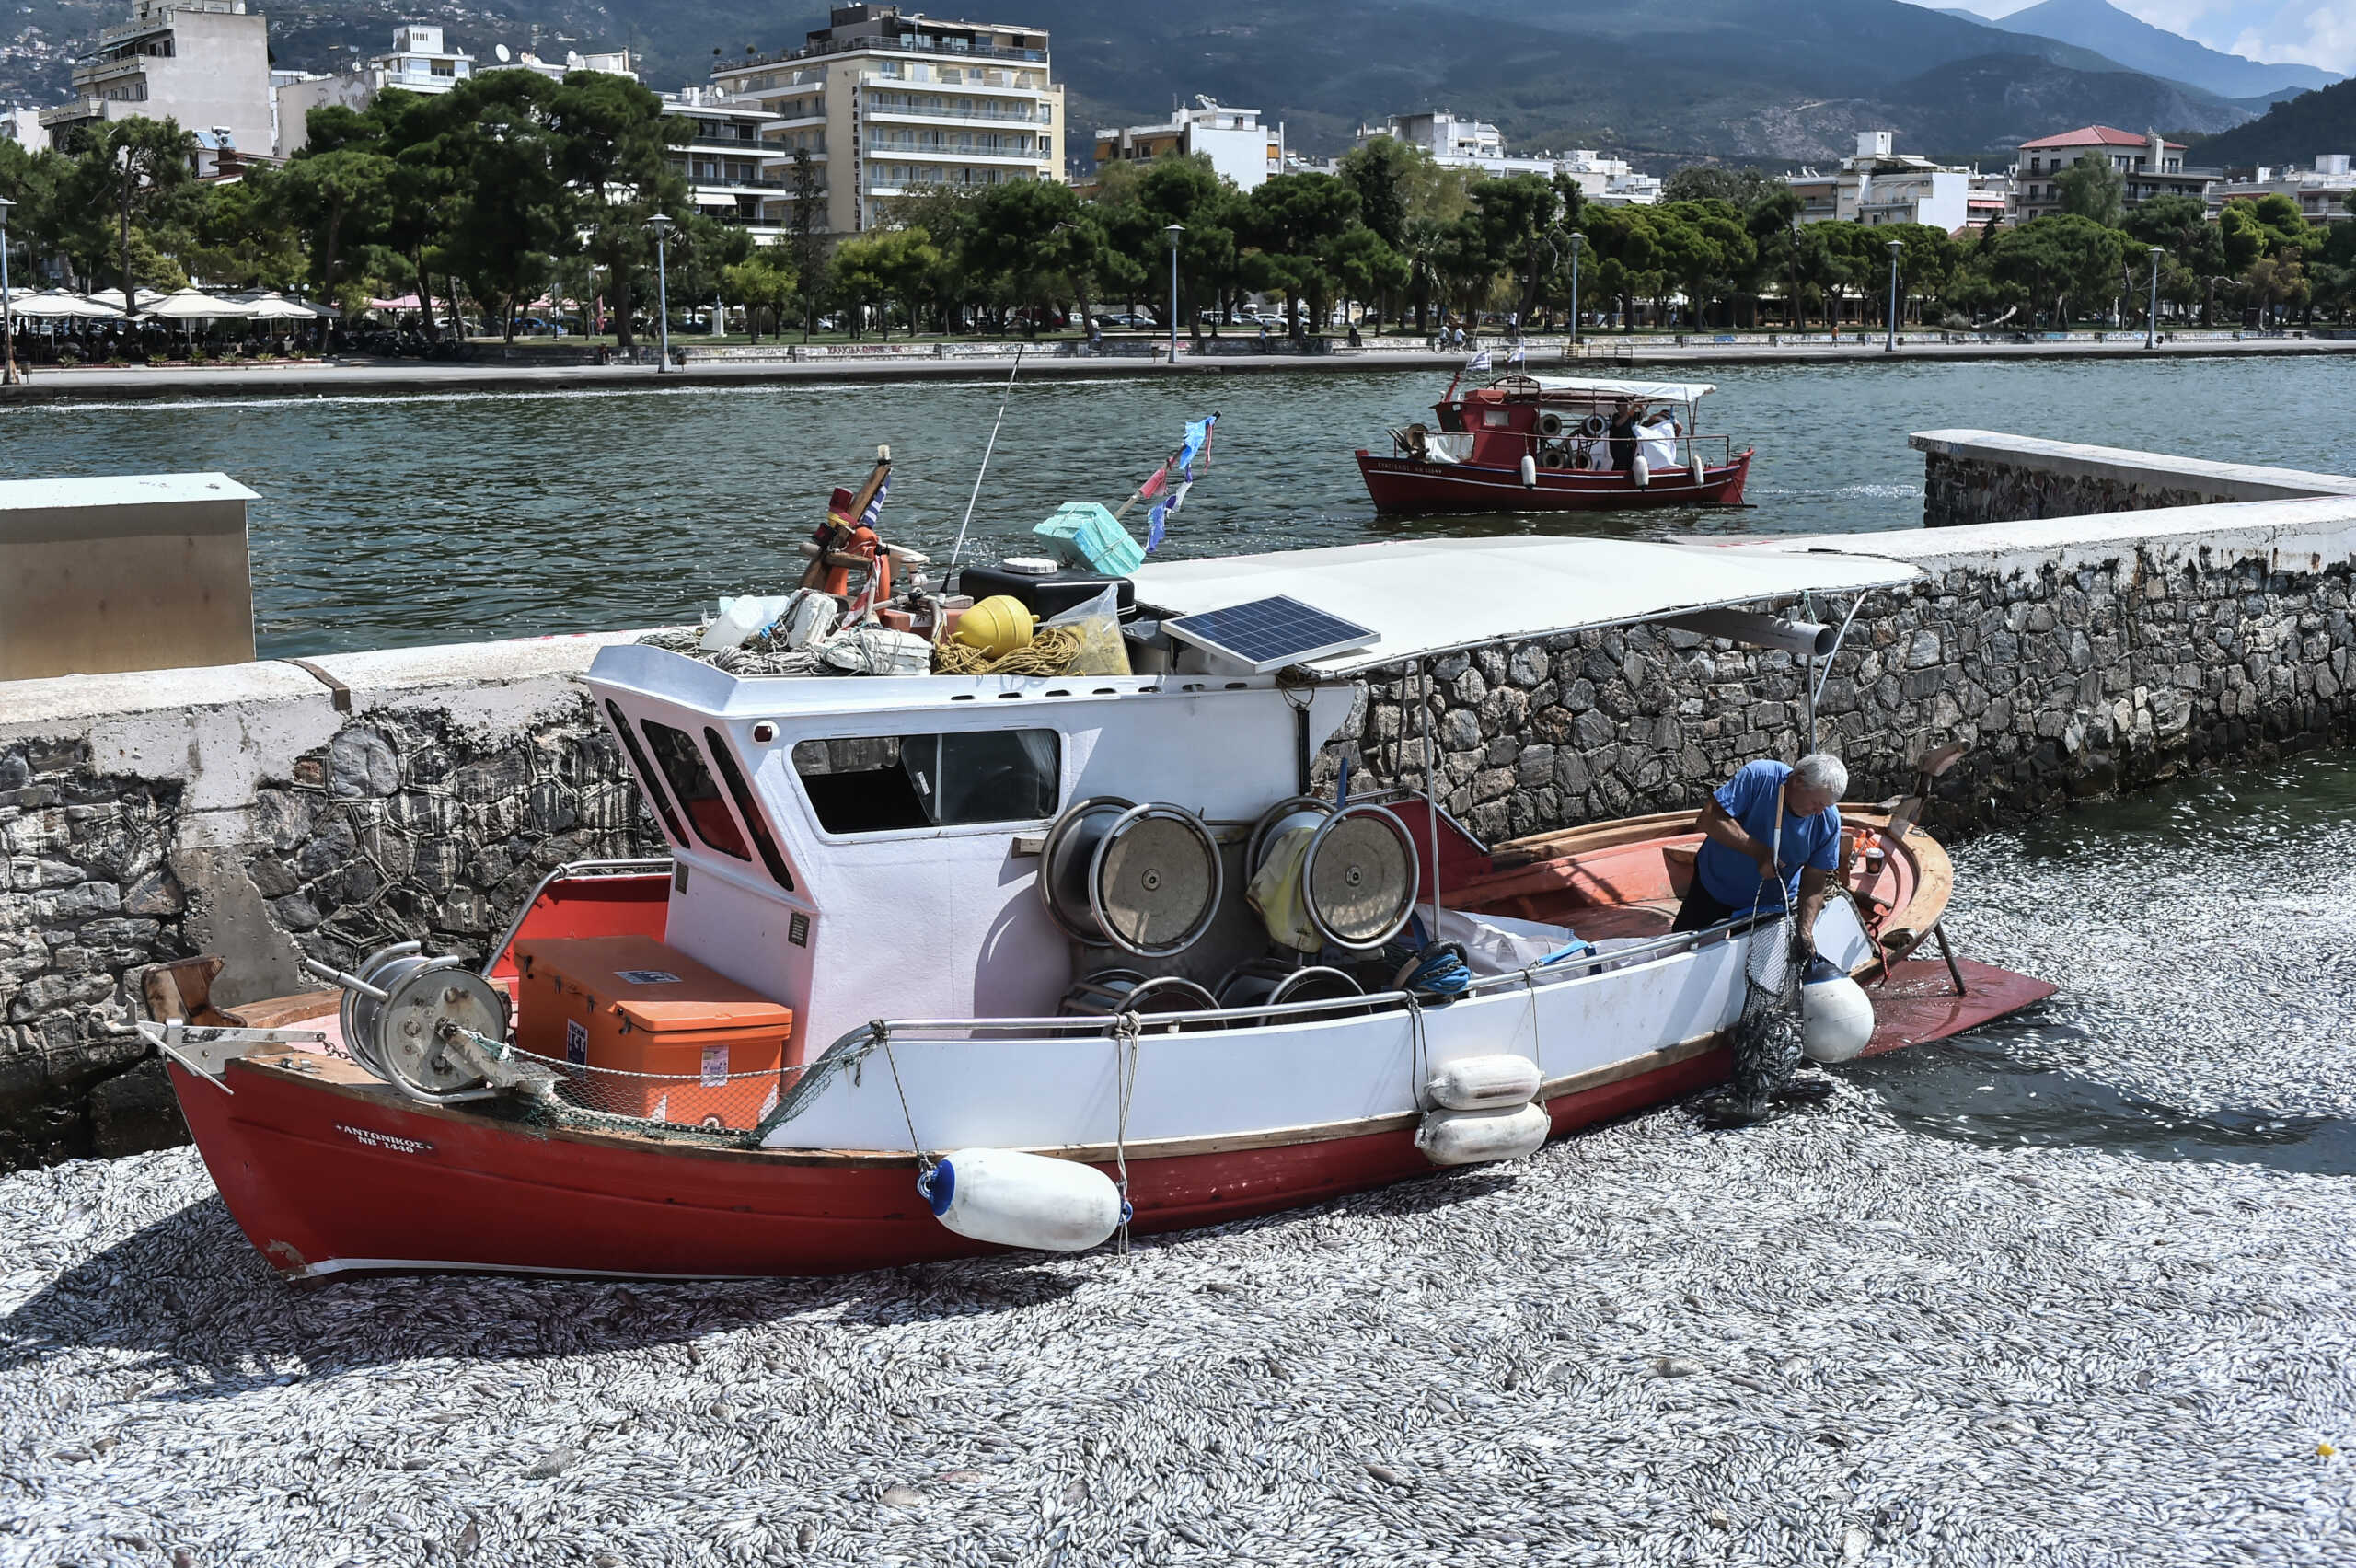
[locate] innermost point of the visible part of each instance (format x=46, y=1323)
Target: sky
x=2312, y=32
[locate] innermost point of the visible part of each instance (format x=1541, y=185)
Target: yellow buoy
x=998, y=626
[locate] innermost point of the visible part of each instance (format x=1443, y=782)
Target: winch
x=429, y=1027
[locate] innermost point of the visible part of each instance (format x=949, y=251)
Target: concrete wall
x=261, y=813
x=1981, y=476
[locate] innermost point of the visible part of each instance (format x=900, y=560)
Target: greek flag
x=875, y=508
x=1478, y=364
x=1520, y=355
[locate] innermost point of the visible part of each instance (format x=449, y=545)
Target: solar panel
x=1268, y=634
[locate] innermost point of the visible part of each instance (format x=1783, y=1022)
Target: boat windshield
x=892, y=783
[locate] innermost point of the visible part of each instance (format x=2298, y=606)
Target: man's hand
x=1765, y=854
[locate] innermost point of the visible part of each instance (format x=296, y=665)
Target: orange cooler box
x=710, y=1050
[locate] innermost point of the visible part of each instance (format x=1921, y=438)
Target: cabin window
x=888, y=783
x=683, y=767
x=755, y=824
x=1495, y=419
x=653, y=786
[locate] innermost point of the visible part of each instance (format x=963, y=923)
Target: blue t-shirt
x=1749, y=798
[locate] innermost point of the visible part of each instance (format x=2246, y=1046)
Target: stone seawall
x=1979, y=476
x=266, y=812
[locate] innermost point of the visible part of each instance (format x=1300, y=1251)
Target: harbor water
x=2072, y=1290
x=438, y=517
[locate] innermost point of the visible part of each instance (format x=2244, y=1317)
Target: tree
x=809, y=250
x=343, y=194
x=1774, y=223
x=1292, y=223
x=883, y=265
x=763, y=280
x=1518, y=216
x=2091, y=188
x=124, y=168
x=2059, y=258
x=612, y=145
x=1742, y=189
x=513, y=216
x=1386, y=172
x=39, y=184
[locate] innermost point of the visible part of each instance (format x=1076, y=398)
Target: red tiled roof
x=2096, y=135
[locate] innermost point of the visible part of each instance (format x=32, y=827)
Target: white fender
x=1014, y=1199
x=1477, y=1137
x=1528, y=469
x=1697, y=471
x=1641, y=471
x=1836, y=1018
x=1483, y=1083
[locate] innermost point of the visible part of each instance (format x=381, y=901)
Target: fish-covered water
x=438, y=517
x=2074, y=1290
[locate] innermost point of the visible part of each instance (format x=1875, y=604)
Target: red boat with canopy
x=1547, y=444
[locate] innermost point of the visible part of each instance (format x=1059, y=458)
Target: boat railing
x=1572, y=448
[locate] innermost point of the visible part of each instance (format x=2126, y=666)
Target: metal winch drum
x=1108, y=993
x=1144, y=879
x=1358, y=875
x=417, y=1021
x=1270, y=982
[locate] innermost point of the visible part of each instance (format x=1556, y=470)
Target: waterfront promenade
x=1605, y=355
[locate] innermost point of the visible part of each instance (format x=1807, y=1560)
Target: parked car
x=1117, y=320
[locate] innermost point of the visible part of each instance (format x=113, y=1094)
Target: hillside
x=1767, y=80
x=2140, y=46
x=2291, y=134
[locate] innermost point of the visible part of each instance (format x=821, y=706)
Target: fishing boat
x=1544, y=444
x=938, y=964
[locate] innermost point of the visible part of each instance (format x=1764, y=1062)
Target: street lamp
x=2151, y=320
x=1578, y=243
x=1172, y=231
x=662, y=226
x=7, y=309
x=1890, y=345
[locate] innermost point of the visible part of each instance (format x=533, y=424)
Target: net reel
x=1108, y=993
x=1145, y=880
x=1270, y=982
x=1358, y=873
x=422, y=1025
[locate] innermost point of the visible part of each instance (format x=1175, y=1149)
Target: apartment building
x=1878, y=184
x=889, y=104
x=2322, y=192
x=1457, y=143
x=1238, y=144
x=728, y=163
x=2149, y=166
x=419, y=61
x=204, y=63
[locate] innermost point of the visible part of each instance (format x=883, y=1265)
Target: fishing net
x=1767, y=1036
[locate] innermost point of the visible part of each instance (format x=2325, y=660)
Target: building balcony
x=1026, y=116
x=953, y=154
x=924, y=48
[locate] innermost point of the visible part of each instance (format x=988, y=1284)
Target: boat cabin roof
x=1607, y=391
x=1433, y=596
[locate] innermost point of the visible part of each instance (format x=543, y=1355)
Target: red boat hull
x=1404, y=484
x=325, y=1177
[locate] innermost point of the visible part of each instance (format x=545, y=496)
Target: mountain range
x=2140, y=46
x=2290, y=136
x=1770, y=81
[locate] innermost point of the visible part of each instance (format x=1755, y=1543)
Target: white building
x=1878, y=185
x=23, y=127
x=1476, y=145
x=2322, y=192
x=888, y=104
x=202, y=63
x=1238, y=146
x=2148, y=165
x=727, y=161
x=417, y=63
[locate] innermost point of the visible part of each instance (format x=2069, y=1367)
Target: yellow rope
x=1050, y=652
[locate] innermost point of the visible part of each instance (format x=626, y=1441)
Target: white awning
x=1430, y=596
x=1651, y=391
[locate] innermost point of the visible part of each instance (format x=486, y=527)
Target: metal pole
x=7, y=306
x=1891, y=346
x=663, y=302
x=2151, y=320
x=1171, y=233
x=1431, y=782
x=1578, y=243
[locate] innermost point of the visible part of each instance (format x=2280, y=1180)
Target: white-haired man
x=1772, y=839
x=1771, y=834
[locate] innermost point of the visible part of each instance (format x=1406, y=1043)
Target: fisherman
x=1771, y=840
x=1623, y=436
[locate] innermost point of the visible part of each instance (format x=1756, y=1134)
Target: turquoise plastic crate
x=1084, y=534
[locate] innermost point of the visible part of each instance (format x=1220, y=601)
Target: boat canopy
x=1432, y=596
x=1649, y=391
